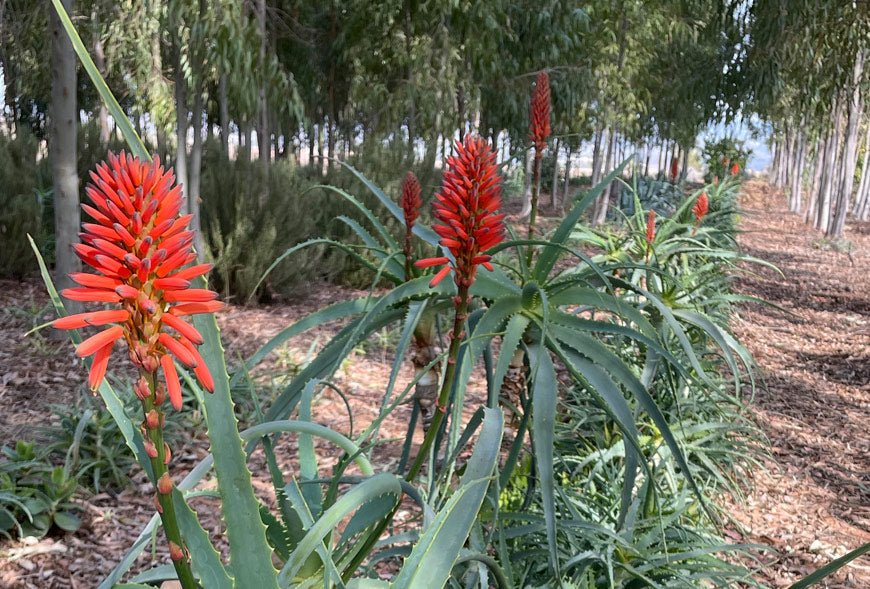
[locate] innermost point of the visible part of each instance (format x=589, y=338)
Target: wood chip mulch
x=812, y=504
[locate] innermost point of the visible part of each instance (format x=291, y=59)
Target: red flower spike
x=675, y=169
x=137, y=242
x=539, y=127
x=735, y=169
x=651, y=226
x=701, y=208
x=466, y=208
x=411, y=200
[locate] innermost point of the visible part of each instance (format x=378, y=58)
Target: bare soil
x=810, y=504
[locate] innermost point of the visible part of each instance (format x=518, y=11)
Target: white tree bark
x=829, y=171
x=862, y=194
x=850, y=151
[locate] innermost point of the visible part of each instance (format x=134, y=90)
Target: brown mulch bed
x=811, y=504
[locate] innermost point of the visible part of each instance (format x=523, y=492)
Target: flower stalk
x=469, y=224
x=160, y=456
x=539, y=132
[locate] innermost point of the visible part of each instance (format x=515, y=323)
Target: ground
x=810, y=503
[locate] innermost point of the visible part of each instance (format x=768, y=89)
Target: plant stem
x=446, y=385
x=167, y=505
x=431, y=433
x=533, y=214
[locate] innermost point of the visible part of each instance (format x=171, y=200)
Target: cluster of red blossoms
x=539, y=127
x=466, y=211
x=675, y=169
x=411, y=200
x=701, y=208
x=411, y=203
x=651, y=226
x=139, y=245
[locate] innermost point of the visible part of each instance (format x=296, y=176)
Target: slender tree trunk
x=774, y=155
x=603, y=201
x=195, y=174
x=861, y=197
x=646, y=163
x=850, y=151
x=555, y=186
x=685, y=164
x=816, y=186
x=62, y=151
x=100, y=62
x=795, y=199
x=263, y=136
x=527, y=184
x=224, y=114
x=829, y=171
x=181, y=114
x=596, y=155
x=567, y=183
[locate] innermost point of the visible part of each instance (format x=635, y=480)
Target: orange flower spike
x=466, y=212
x=138, y=242
x=539, y=128
x=701, y=208
x=735, y=169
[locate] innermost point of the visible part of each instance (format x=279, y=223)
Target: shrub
x=721, y=155
x=249, y=220
x=25, y=203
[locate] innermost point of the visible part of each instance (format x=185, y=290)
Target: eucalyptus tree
x=806, y=75
x=63, y=149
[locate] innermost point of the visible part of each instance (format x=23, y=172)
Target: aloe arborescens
x=138, y=243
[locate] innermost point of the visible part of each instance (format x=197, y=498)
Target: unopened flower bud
x=152, y=419
x=150, y=448
x=141, y=388
x=175, y=551
x=164, y=484
x=167, y=453
x=150, y=363
x=160, y=395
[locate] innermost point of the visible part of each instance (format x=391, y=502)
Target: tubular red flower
x=466, y=209
x=539, y=127
x=173, y=386
x=138, y=243
x=100, y=340
x=91, y=319
x=702, y=206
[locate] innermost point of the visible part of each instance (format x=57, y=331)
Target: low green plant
x=35, y=495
